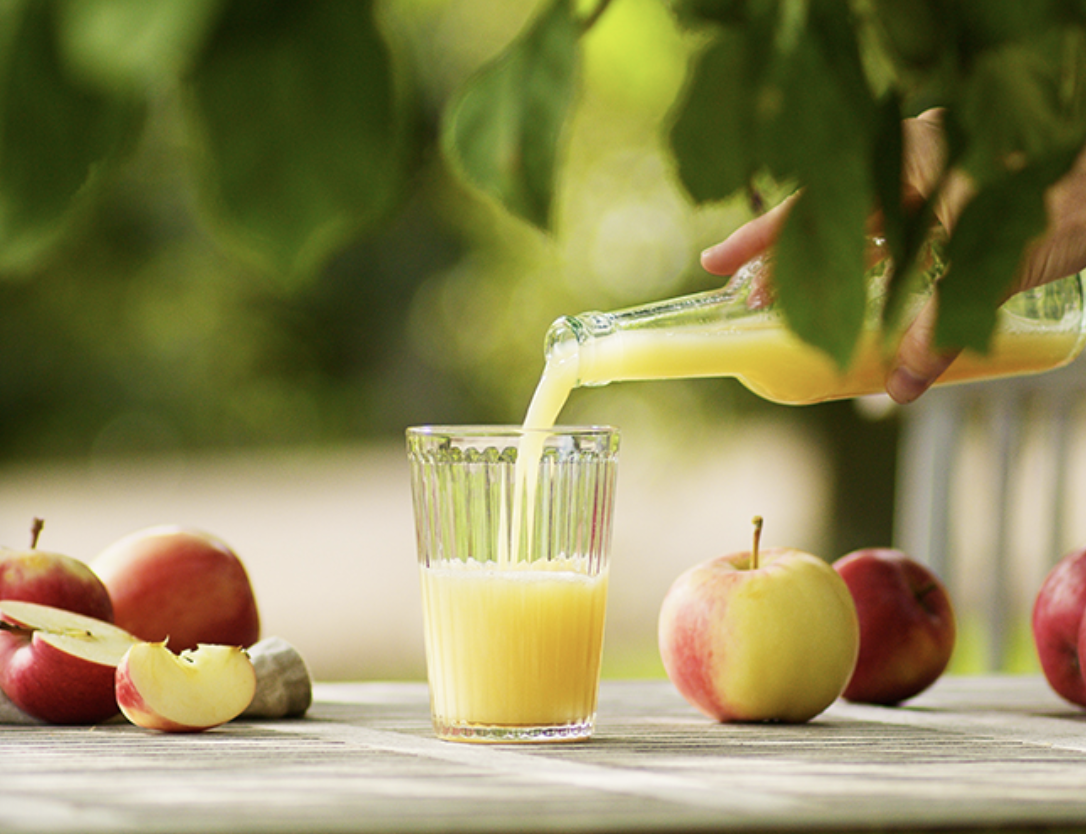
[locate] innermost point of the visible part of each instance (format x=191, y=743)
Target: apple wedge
x=193, y=691
x=57, y=665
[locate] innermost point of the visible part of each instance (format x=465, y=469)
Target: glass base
x=514, y=733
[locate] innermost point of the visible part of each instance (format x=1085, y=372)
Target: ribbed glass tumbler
x=514, y=536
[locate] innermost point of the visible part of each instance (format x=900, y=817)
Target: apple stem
x=35, y=531
x=757, y=541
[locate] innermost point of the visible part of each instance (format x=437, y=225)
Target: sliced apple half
x=57, y=665
x=193, y=691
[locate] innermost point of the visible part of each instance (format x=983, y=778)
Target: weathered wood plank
x=971, y=753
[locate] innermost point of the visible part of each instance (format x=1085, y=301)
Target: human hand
x=916, y=365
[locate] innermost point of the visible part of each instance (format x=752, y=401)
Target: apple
x=53, y=579
x=759, y=636
x=190, y=692
x=1057, y=623
x=168, y=582
x=58, y=665
x=907, y=626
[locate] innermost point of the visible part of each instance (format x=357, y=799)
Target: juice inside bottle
x=775, y=364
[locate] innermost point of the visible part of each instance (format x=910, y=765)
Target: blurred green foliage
x=235, y=222
x=229, y=223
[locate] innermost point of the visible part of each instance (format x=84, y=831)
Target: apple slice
x=193, y=691
x=58, y=665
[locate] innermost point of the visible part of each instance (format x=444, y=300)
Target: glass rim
x=508, y=430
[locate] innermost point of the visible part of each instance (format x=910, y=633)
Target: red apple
x=907, y=626
x=1057, y=622
x=57, y=665
x=184, y=585
x=759, y=636
x=190, y=692
x=53, y=579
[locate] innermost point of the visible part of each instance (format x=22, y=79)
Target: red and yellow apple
x=190, y=692
x=1057, y=625
x=759, y=636
x=57, y=665
x=907, y=627
x=47, y=578
x=183, y=585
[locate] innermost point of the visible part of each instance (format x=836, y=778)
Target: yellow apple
x=760, y=636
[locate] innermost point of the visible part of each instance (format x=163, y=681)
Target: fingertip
x=712, y=259
x=904, y=386
x=751, y=239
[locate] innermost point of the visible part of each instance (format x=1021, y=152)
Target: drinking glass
x=514, y=535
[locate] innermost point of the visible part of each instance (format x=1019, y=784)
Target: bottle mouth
x=568, y=333
x=562, y=337
x=570, y=339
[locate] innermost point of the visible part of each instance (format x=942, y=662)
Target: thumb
x=916, y=365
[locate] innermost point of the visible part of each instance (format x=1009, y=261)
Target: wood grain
x=973, y=753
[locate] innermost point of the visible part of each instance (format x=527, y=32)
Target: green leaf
x=1031, y=119
x=823, y=135
x=834, y=29
x=502, y=132
x=819, y=265
x=986, y=248
x=887, y=164
x=813, y=106
x=905, y=227
x=982, y=25
x=698, y=12
x=915, y=30
x=58, y=137
x=712, y=128
x=129, y=44
x=304, y=136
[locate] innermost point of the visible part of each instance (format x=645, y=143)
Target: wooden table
x=982, y=753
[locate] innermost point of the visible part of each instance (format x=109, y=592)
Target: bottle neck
x=676, y=338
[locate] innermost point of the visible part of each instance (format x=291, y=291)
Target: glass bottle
x=739, y=331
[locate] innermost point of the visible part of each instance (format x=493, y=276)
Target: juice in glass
x=517, y=645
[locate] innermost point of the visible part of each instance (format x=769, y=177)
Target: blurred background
x=153, y=373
